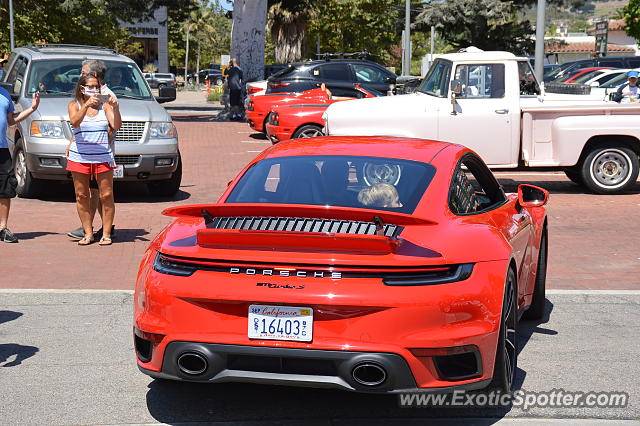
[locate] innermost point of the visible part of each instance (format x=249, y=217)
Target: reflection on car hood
x=55, y=108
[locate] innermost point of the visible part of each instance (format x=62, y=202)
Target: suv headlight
x=47, y=129
x=163, y=130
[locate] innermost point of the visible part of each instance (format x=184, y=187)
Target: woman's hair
x=379, y=195
x=77, y=92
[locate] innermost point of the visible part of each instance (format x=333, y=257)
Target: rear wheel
x=610, y=169
x=308, y=131
x=507, y=350
x=28, y=186
x=169, y=187
x=536, y=310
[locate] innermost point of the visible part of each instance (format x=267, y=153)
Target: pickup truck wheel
x=574, y=175
x=169, y=187
x=610, y=169
x=308, y=131
x=28, y=186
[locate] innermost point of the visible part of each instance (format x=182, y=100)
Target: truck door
x=485, y=120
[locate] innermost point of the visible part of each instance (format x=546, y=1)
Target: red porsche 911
x=370, y=264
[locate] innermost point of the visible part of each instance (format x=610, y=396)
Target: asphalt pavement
x=66, y=357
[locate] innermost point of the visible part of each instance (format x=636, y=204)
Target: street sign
x=602, y=35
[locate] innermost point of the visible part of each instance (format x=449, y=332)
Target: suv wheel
x=169, y=187
x=28, y=186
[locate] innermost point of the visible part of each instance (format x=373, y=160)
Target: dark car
x=606, y=61
x=211, y=74
x=302, y=76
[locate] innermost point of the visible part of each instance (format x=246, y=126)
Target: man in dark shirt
x=235, y=80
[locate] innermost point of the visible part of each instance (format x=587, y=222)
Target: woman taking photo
x=93, y=118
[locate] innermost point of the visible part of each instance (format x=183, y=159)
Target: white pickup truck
x=492, y=103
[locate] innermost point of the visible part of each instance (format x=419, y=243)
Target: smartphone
x=103, y=98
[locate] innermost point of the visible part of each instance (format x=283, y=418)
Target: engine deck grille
x=302, y=224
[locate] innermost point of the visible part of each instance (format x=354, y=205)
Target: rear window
x=345, y=181
x=164, y=76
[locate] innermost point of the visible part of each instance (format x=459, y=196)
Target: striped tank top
x=91, y=140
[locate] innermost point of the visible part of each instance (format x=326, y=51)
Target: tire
x=574, y=176
x=536, y=310
x=169, y=187
x=161, y=85
x=610, y=169
x=28, y=186
x=308, y=131
x=218, y=82
x=506, y=362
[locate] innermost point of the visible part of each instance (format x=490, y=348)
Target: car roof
x=371, y=146
x=65, y=51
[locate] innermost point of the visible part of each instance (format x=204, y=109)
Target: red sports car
x=258, y=108
x=304, y=120
x=370, y=264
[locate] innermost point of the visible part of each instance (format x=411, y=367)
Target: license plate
x=280, y=323
x=118, y=173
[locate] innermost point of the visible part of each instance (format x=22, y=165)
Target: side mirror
x=390, y=80
x=456, y=87
x=594, y=84
x=166, y=94
x=9, y=87
x=532, y=196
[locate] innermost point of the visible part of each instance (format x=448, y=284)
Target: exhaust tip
x=192, y=363
x=369, y=374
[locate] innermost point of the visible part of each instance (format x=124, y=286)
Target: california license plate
x=118, y=172
x=280, y=323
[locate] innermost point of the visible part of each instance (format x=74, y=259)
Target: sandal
x=85, y=241
x=105, y=241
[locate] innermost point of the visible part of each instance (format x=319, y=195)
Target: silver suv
x=146, y=145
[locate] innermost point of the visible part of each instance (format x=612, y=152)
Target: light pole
x=406, y=63
x=540, y=40
x=11, y=23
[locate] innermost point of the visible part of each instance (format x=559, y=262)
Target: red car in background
x=304, y=120
x=369, y=264
x=581, y=72
x=258, y=108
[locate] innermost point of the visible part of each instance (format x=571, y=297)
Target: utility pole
x=406, y=63
x=540, y=40
x=11, y=23
x=186, y=60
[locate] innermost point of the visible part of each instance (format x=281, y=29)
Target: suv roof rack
x=38, y=46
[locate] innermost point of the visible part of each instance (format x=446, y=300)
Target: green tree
x=287, y=21
x=631, y=15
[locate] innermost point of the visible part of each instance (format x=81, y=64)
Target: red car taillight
x=274, y=119
x=250, y=106
x=276, y=84
x=252, y=89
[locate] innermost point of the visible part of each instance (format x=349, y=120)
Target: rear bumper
x=296, y=367
x=256, y=120
x=278, y=133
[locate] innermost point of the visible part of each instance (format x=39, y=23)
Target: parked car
x=570, y=78
x=599, y=78
x=473, y=99
x=303, y=118
x=146, y=146
x=159, y=80
x=303, y=76
x=605, y=61
x=368, y=264
x=210, y=74
x=259, y=107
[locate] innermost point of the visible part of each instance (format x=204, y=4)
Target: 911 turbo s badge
x=287, y=273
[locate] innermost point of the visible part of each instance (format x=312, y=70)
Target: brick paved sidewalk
x=593, y=239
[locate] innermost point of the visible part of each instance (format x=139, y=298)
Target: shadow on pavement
x=554, y=186
x=7, y=350
x=33, y=235
x=125, y=192
x=129, y=235
x=193, y=117
x=6, y=316
x=258, y=135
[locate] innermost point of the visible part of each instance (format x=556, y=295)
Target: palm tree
x=288, y=20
